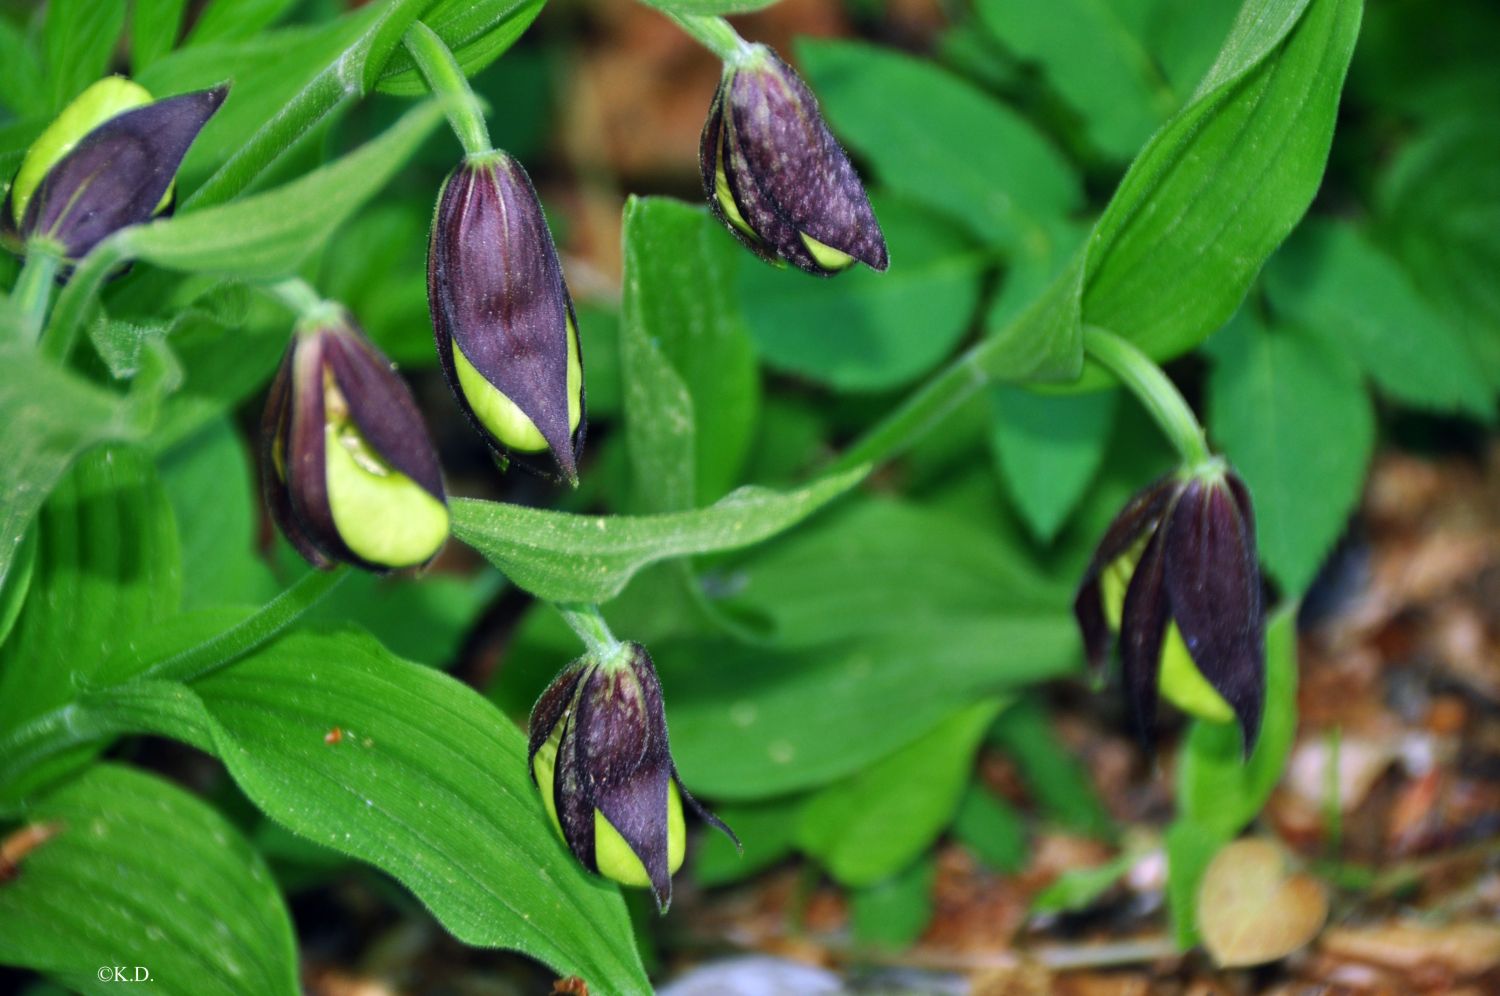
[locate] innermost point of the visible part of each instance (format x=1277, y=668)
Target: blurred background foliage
x=889, y=675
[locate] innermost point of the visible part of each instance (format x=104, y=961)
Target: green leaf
x=1329, y=278
x=142, y=873
x=1220, y=186
x=870, y=331
x=880, y=565
x=1056, y=778
x=236, y=20
x=1048, y=448
x=423, y=619
x=154, y=28
x=209, y=481
x=1291, y=413
x=1079, y=888
x=425, y=780
x=287, y=83
x=939, y=141
x=107, y=566
x=270, y=234
x=48, y=417
x=15, y=584
x=80, y=37
x=562, y=557
x=767, y=832
x=1216, y=787
x=868, y=827
x=1095, y=55
x=477, y=31
x=21, y=85
x=751, y=722
x=1190, y=848
x=1436, y=203
x=991, y=828
x=710, y=7
x=892, y=914
x=691, y=386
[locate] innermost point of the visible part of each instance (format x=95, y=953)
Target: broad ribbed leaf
x=751, y=722
x=1094, y=54
x=563, y=557
x=871, y=825
x=477, y=32
x=940, y=141
x=691, y=387
x=1292, y=414
x=287, y=83
x=141, y=873
x=869, y=331
x=270, y=234
x=1220, y=186
x=80, y=36
x=1331, y=279
x=403, y=767
x=48, y=416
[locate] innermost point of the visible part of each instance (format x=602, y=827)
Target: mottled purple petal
x=798, y=167
x=551, y=706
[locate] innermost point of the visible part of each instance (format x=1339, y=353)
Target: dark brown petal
x=572, y=794
x=118, y=173
x=704, y=813
x=1143, y=626
x=551, y=706
x=382, y=408
x=274, y=433
x=1139, y=516
x=495, y=287
x=1213, y=583
x=776, y=237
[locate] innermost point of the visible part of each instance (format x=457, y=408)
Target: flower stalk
x=447, y=80
x=718, y=36
x=33, y=291
x=588, y=623
x=1156, y=393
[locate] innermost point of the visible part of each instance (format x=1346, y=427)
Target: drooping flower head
x=504, y=323
x=1176, y=577
x=349, y=471
x=778, y=179
x=600, y=756
x=106, y=162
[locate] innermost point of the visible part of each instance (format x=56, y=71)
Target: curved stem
x=447, y=80
x=32, y=293
x=585, y=619
x=1153, y=389
x=717, y=35
x=303, y=300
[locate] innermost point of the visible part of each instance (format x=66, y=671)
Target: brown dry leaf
x=1251, y=911
x=1465, y=949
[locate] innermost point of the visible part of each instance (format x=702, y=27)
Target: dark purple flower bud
x=349, y=471
x=1176, y=577
x=600, y=756
x=504, y=323
x=778, y=179
x=106, y=163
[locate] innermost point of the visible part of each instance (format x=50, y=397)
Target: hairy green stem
x=447, y=80
x=585, y=619
x=1156, y=393
x=79, y=301
x=33, y=291
x=922, y=411
x=717, y=35
x=302, y=300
